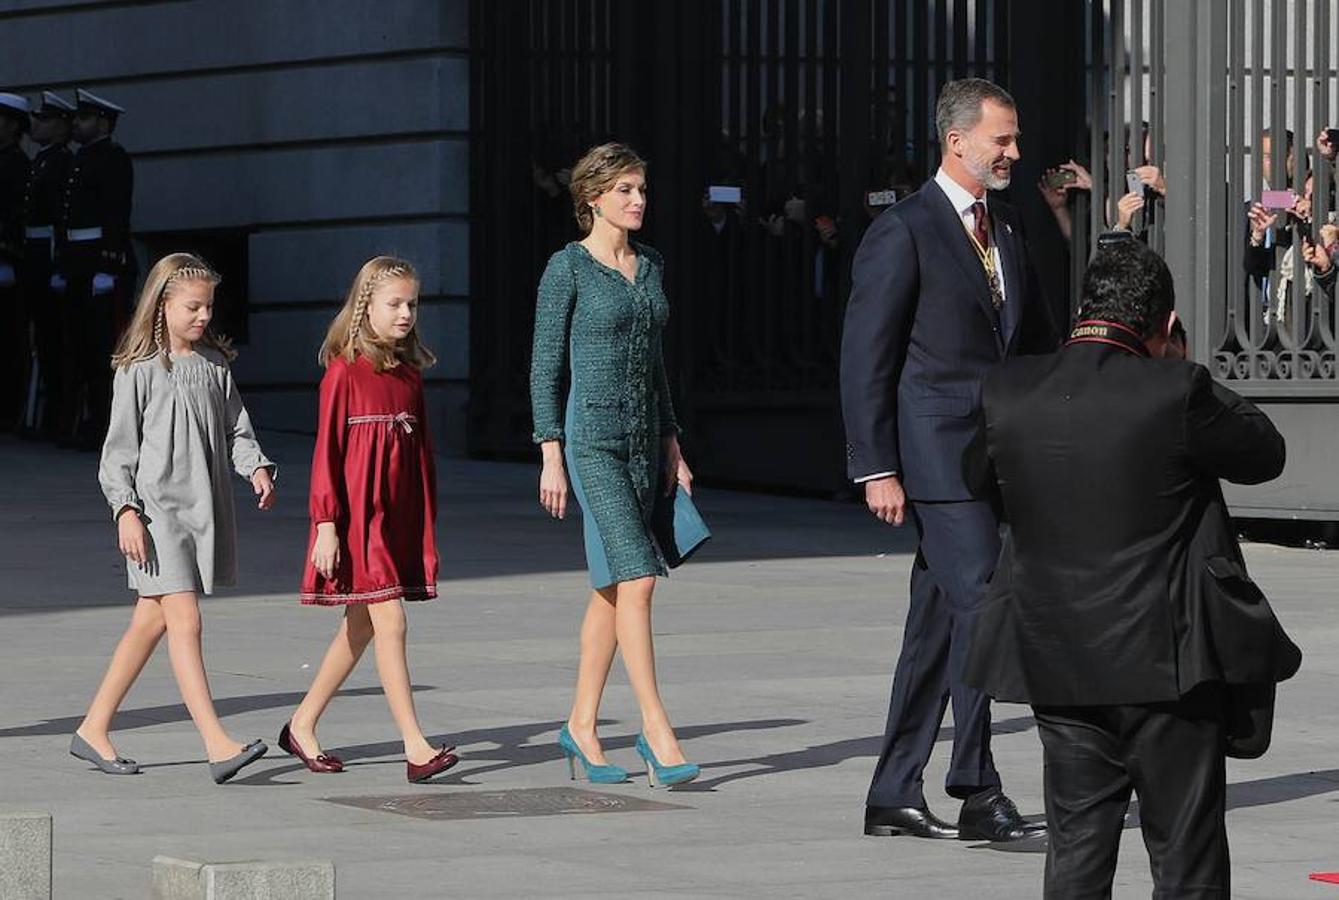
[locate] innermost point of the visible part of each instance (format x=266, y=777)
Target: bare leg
x=182, y=613
x=599, y=641
x=389, y=628
x=352, y=638
x=132, y=652
x=633, y=622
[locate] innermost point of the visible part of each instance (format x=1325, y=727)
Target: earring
x=595, y=209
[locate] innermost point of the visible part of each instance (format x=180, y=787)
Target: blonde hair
x=597, y=172
x=146, y=335
x=350, y=336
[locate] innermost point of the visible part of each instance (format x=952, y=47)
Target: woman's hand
x=676, y=470
x=1152, y=176
x=132, y=537
x=1126, y=207
x=1084, y=181
x=1261, y=220
x=1316, y=256
x=325, y=552
x=553, y=480
x=1055, y=197
x=263, y=483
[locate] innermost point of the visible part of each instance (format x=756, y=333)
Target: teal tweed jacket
x=605, y=331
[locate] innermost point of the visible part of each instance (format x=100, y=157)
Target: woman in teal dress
x=599, y=317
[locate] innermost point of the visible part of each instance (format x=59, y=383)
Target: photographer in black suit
x=1121, y=608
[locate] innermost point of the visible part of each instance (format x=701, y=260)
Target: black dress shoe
x=991, y=816
x=917, y=821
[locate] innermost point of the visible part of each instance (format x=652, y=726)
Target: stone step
x=25, y=855
x=179, y=879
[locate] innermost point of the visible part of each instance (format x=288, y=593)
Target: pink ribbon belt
x=403, y=419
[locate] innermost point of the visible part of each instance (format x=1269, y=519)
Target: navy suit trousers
x=959, y=546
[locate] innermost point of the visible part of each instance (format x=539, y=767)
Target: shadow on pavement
x=822, y=755
x=146, y=716
x=513, y=748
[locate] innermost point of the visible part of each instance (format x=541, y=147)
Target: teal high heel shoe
x=664, y=776
x=594, y=774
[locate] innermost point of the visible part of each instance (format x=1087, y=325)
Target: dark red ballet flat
x=322, y=763
x=445, y=759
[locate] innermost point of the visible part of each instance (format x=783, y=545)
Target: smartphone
x=1061, y=177
x=725, y=193
x=881, y=198
x=1134, y=184
x=1333, y=135
x=1278, y=199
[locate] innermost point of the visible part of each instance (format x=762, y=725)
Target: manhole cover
x=522, y=802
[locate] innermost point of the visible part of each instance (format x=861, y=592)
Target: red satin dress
x=373, y=476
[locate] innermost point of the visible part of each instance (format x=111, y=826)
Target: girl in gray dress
x=177, y=427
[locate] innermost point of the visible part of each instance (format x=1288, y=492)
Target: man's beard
x=983, y=173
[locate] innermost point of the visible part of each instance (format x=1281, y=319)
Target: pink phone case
x=1277, y=199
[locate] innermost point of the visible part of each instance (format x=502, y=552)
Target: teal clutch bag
x=678, y=527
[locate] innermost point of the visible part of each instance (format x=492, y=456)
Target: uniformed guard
x=14, y=341
x=41, y=291
x=94, y=256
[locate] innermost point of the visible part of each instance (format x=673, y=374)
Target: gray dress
x=173, y=436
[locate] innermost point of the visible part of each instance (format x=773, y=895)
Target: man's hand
x=886, y=499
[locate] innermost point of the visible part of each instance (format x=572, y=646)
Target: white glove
x=103, y=284
x=58, y=282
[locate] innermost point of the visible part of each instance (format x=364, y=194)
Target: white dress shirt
x=962, y=201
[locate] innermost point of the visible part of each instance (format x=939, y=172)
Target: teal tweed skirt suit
x=603, y=330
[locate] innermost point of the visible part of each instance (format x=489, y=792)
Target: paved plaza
x=775, y=649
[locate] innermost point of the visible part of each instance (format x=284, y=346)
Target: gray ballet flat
x=81, y=749
x=227, y=768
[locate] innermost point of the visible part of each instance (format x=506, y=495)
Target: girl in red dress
x=373, y=506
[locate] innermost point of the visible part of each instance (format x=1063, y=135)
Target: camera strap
x=1097, y=331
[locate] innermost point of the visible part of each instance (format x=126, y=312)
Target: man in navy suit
x=942, y=292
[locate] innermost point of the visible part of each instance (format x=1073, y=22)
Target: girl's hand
x=553, y=481
x=132, y=537
x=676, y=470
x=264, y=487
x=325, y=552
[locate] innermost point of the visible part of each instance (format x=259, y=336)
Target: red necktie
x=982, y=227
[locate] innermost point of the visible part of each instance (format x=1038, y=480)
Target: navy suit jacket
x=920, y=335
